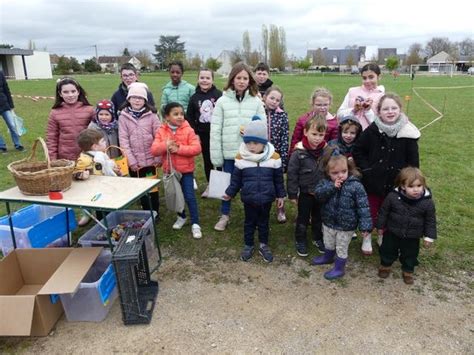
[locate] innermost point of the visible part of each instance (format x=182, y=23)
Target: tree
x=91, y=66
x=303, y=64
x=213, y=64
x=7, y=46
x=265, y=43
x=277, y=47
x=246, y=46
x=144, y=57
x=254, y=58
x=392, y=63
x=415, y=52
x=350, y=61
x=168, y=50
x=194, y=62
x=438, y=44
x=319, y=58
x=466, y=47
x=63, y=66
x=236, y=56
x=126, y=53
x=74, y=65
x=31, y=45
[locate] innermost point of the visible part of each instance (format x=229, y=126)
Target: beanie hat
x=106, y=105
x=138, y=89
x=256, y=131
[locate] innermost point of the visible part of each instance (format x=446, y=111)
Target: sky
x=74, y=28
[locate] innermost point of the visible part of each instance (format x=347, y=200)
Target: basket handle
x=117, y=147
x=45, y=150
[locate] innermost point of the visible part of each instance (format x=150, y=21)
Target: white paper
x=219, y=181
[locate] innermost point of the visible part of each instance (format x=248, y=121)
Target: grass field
x=445, y=150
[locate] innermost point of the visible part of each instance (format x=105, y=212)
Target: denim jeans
x=8, y=117
x=228, y=168
x=256, y=218
x=187, y=184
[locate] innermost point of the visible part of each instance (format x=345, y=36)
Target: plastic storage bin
x=96, y=293
x=89, y=239
x=36, y=226
x=137, y=291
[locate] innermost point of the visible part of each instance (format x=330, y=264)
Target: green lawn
x=445, y=158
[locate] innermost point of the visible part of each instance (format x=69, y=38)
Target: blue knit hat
x=256, y=131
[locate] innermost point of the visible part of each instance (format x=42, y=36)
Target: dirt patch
x=287, y=307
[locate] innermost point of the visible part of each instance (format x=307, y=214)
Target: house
x=442, y=62
x=24, y=64
x=112, y=64
x=384, y=53
x=343, y=59
x=226, y=59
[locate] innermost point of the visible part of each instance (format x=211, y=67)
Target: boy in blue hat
x=258, y=174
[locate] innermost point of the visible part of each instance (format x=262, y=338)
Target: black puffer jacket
x=304, y=172
x=380, y=158
x=408, y=218
x=6, y=101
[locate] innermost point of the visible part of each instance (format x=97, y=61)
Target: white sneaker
x=195, y=184
x=222, y=223
x=205, y=194
x=196, y=231
x=367, y=245
x=180, y=222
x=379, y=239
x=85, y=219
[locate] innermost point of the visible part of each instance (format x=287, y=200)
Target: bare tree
x=319, y=58
x=415, y=54
x=466, y=47
x=277, y=47
x=144, y=57
x=254, y=58
x=246, y=46
x=438, y=44
x=265, y=43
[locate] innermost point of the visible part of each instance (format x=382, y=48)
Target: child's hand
x=338, y=183
x=116, y=169
x=427, y=244
x=280, y=202
x=226, y=197
x=367, y=104
x=294, y=201
x=134, y=167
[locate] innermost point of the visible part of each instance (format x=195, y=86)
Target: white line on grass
x=441, y=115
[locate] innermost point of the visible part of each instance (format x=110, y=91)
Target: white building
x=226, y=59
x=21, y=64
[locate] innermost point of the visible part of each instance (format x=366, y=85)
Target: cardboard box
x=29, y=277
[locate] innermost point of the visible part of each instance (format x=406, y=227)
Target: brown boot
x=408, y=278
x=384, y=271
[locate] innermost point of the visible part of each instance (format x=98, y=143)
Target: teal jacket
x=229, y=118
x=181, y=94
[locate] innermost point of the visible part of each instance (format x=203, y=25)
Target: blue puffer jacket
x=259, y=183
x=344, y=208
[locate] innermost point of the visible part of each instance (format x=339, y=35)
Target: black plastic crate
x=137, y=291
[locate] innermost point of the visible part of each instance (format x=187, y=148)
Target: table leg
x=155, y=230
x=10, y=221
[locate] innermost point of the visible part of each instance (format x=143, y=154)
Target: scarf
x=315, y=152
x=107, y=163
x=137, y=114
x=257, y=158
x=107, y=127
x=391, y=130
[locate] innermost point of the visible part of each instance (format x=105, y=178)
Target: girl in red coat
x=70, y=114
x=178, y=139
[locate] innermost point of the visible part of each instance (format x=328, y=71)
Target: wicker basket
x=35, y=177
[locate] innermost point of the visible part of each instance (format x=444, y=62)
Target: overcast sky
x=72, y=28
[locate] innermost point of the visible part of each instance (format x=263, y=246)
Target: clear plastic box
x=89, y=239
x=96, y=293
x=36, y=226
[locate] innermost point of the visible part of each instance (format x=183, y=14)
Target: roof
x=15, y=51
x=341, y=55
x=114, y=59
x=440, y=57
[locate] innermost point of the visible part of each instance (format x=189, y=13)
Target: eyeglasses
x=128, y=75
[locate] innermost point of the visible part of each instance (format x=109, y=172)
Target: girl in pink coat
x=178, y=139
x=362, y=101
x=137, y=127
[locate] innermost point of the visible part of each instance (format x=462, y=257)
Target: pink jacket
x=64, y=125
x=365, y=117
x=136, y=137
x=331, y=132
x=189, y=147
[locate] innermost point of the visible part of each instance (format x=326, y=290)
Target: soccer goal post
x=432, y=69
